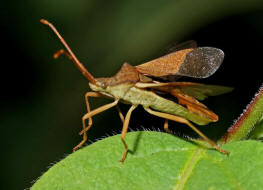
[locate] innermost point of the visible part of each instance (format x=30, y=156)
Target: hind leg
x=185, y=121
x=166, y=127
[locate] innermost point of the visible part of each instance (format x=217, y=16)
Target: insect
x=139, y=85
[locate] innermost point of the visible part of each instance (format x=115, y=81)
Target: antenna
x=83, y=70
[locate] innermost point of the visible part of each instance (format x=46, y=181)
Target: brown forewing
x=166, y=65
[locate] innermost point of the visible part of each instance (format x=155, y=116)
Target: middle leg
x=124, y=131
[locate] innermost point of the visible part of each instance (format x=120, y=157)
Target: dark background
x=42, y=100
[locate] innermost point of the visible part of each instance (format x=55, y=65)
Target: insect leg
x=185, y=121
x=87, y=95
x=166, y=127
x=120, y=114
x=124, y=131
x=90, y=114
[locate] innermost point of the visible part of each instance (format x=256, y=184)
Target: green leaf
x=257, y=133
x=248, y=122
x=157, y=161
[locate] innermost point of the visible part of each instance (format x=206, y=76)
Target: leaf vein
x=188, y=168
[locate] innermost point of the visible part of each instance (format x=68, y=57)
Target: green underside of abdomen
x=152, y=100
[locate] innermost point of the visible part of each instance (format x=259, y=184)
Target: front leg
x=90, y=114
x=87, y=95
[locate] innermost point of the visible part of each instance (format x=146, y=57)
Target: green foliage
x=157, y=161
x=249, y=122
x=257, y=133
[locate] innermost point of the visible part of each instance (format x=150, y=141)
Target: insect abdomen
x=150, y=99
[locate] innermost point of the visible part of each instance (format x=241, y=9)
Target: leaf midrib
x=188, y=168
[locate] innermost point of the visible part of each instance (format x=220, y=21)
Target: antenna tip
x=43, y=21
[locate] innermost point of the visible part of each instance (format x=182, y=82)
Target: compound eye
x=103, y=85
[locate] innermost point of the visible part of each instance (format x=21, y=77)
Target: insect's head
x=100, y=87
x=96, y=87
x=100, y=84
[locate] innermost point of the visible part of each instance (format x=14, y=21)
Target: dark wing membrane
x=201, y=62
x=202, y=91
